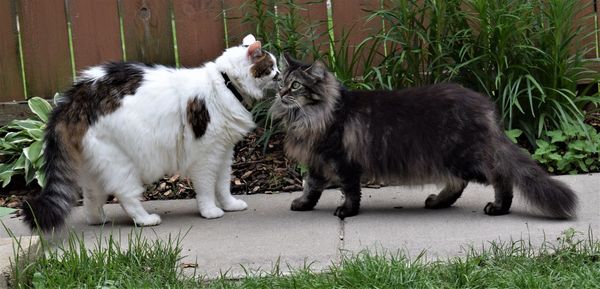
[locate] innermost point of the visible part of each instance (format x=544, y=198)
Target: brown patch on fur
x=71, y=135
x=262, y=66
x=197, y=116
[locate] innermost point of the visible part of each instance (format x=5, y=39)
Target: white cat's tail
x=49, y=208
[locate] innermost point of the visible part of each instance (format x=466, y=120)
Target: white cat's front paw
x=150, y=220
x=235, y=205
x=212, y=213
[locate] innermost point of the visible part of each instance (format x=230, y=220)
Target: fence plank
x=237, y=28
x=11, y=84
x=96, y=31
x=147, y=31
x=45, y=46
x=200, y=33
x=351, y=15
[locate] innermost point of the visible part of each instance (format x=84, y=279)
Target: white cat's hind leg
x=128, y=188
x=93, y=202
x=133, y=206
x=94, y=198
x=227, y=201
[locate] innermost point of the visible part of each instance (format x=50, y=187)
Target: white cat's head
x=252, y=69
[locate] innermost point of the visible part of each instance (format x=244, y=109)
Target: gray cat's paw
x=433, y=202
x=342, y=212
x=301, y=204
x=430, y=202
x=494, y=210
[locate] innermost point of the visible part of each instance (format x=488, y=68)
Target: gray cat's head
x=307, y=94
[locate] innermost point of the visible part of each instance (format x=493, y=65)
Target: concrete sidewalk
x=391, y=218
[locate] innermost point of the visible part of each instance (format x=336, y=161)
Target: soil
x=256, y=169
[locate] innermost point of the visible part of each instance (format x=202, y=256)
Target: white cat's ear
x=248, y=40
x=254, y=51
x=317, y=69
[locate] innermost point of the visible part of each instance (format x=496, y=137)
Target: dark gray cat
x=442, y=134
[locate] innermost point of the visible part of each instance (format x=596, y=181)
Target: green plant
x=21, y=145
x=525, y=56
x=114, y=261
x=569, y=150
x=420, y=39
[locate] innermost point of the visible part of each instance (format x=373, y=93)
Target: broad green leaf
x=513, y=134
x=28, y=124
x=40, y=107
x=34, y=151
x=29, y=172
x=20, y=163
x=41, y=178
x=37, y=134
x=554, y=156
x=556, y=136
x=5, y=178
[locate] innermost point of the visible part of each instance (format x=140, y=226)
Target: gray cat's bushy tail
x=551, y=196
x=49, y=208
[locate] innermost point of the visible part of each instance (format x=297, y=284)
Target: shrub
x=21, y=145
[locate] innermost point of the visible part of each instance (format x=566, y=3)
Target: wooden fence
x=43, y=42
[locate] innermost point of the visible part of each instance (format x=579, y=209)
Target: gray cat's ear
x=317, y=69
x=283, y=62
x=288, y=60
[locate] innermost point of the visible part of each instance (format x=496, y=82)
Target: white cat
x=125, y=124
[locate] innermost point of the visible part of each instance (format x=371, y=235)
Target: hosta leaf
x=41, y=178
x=5, y=178
x=20, y=163
x=37, y=133
x=29, y=172
x=28, y=124
x=34, y=151
x=40, y=107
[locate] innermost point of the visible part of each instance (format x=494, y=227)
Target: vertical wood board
x=96, y=31
x=147, y=30
x=45, y=46
x=200, y=33
x=11, y=84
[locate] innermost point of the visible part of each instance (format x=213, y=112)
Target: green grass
x=572, y=261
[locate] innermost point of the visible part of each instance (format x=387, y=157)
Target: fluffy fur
x=123, y=125
x=443, y=134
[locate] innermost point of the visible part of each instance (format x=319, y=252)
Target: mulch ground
x=256, y=169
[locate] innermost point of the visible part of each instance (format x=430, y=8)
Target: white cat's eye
x=296, y=85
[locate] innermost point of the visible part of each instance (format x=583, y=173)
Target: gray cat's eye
x=296, y=85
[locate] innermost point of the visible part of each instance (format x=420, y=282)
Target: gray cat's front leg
x=313, y=187
x=349, y=175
